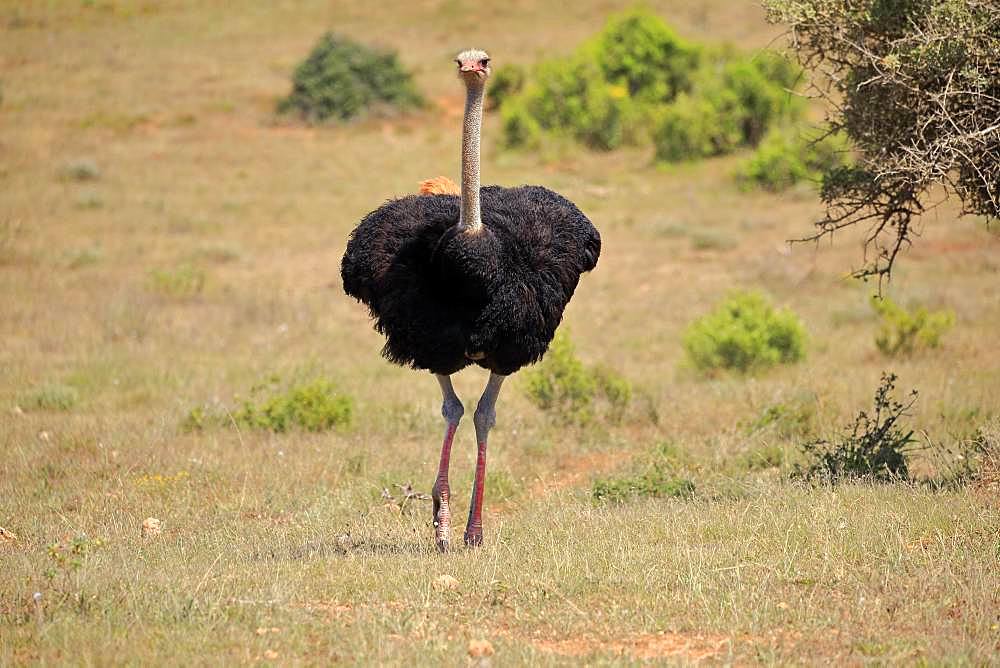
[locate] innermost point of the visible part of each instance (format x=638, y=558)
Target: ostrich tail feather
x=439, y=185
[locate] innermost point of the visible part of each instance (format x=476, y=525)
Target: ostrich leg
x=452, y=410
x=484, y=419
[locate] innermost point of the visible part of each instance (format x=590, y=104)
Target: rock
x=151, y=527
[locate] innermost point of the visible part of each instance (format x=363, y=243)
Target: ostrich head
x=473, y=66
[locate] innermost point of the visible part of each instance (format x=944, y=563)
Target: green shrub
x=656, y=478
x=520, y=128
x=506, y=82
x=503, y=487
x=341, y=79
x=615, y=389
x=732, y=104
x=51, y=397
x=766, y=456
x=902, y=332
x=875, y=446
x=691, y=129
x=563, y=386
x=571, y=96
x=603, y=94
x=638, y=50
x=199, y=418
x=655, y=483
x=753, y=93
x=794, y=417
x=788, y=155
x=183, y=281
x=744, y=333
x=707, y=238
x=637, y=81
x=80, y=170
x=312, y=406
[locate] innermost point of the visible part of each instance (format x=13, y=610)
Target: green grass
x=246, y=218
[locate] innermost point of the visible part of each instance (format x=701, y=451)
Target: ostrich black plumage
x=480, y=278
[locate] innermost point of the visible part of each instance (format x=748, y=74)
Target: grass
x=219, y=243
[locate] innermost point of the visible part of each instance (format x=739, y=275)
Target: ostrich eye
x=458, y=62
x=484, y=62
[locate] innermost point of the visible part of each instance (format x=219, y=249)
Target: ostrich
x=477, y=278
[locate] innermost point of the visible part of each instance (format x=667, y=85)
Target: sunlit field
x=169, y=245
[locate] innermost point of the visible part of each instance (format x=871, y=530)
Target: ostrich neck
x=470, y=217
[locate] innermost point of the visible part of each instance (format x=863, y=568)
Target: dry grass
x=279, y=548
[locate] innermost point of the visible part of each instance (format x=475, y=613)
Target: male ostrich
x=479, y=278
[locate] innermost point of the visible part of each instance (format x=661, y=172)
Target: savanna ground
x=167, y=244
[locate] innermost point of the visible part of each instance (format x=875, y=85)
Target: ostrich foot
x=474, y=537
x=442, y=519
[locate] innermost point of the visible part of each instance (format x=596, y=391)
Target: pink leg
x=484, y=419
x=441, y=493
x=474, y=529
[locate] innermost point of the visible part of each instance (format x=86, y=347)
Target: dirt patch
x=451, y=106
x=328, y=610
x=642, y=646
x=931, y=247
x=333, y=610
x=577, y=469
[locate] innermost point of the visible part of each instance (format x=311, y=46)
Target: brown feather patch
x=439, y=185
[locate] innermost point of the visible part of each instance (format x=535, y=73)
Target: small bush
x=341, y=79
x=312, y=406
x=732, y=104
x=89, y=200
x=639, y=51
x=745, y=333
x=51, y=397
x=767, y=456
x=655, y=483
x=520, y=128
x=692, y=129
x=637, y=81
x=615, y=389
x=80, y=170
x=506, y=82
x=903, y=332
x=200, y=418
x=571, y=97
x=503, y=487
x=183, y=281
x=562, y=385
x=656, y=479
x=787, y=155
x=709, y=239
x=791, y=418
x=84, y=257
x=604, y=93
x=875, y=447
